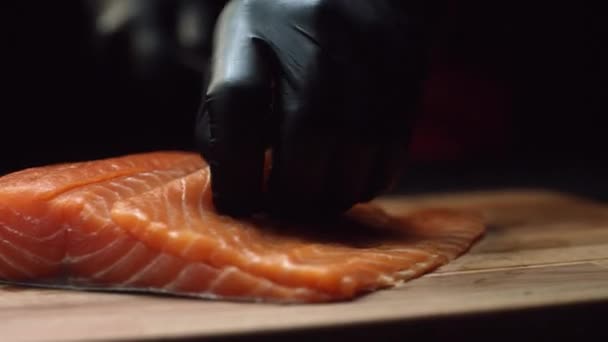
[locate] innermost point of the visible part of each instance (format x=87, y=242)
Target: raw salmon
x=146, y=222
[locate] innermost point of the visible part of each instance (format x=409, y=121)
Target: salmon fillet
x=146, y=222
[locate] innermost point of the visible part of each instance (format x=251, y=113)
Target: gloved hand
x=330, y=86
x=155, y=37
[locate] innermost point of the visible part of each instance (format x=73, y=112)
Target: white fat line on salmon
x=103, y=192
x=150, y=180
x=172, y=286
x=199, y=206
x=136, y=179
x=152, y=264
x=27, y=218
x=14, y=266
x=154, y=180
x=20, y=234
x=302, y=294
x=139, y=247
x=204, y=215
x=32, y=257
x=188, y=247
x=220, y=279
x=93, y=211
x=129, y=191
x=114, y=166
x=87, y=212
x=68, y=259
x=405, y=274
x=252, y=257
x=85, y=216
x=184, y=205
x=362, y=261
x=288, y=267
x=385, y=279
x=137, y=182
x=393, y=257
x=302, y=291
x=414, y=251
x=166, y=203
x=286, y=262
x=416, y=270
x=222, y=244
x=201, y=211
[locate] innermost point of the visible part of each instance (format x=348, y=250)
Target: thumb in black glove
x=331, y=86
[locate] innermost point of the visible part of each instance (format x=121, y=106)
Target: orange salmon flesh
x=146, y=222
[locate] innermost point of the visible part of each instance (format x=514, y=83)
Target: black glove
x=331, y=86
x=156, y=37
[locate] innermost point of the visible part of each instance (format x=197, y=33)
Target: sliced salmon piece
x=33, y=236
x=146, y=222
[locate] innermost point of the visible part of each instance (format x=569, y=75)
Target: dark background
x=516, y=96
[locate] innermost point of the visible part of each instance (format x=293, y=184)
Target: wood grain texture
x=542, y=250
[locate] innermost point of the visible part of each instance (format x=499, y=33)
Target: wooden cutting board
x=542, y=250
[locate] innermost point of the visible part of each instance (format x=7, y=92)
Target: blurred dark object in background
x=78, y=91
x=516, y=95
